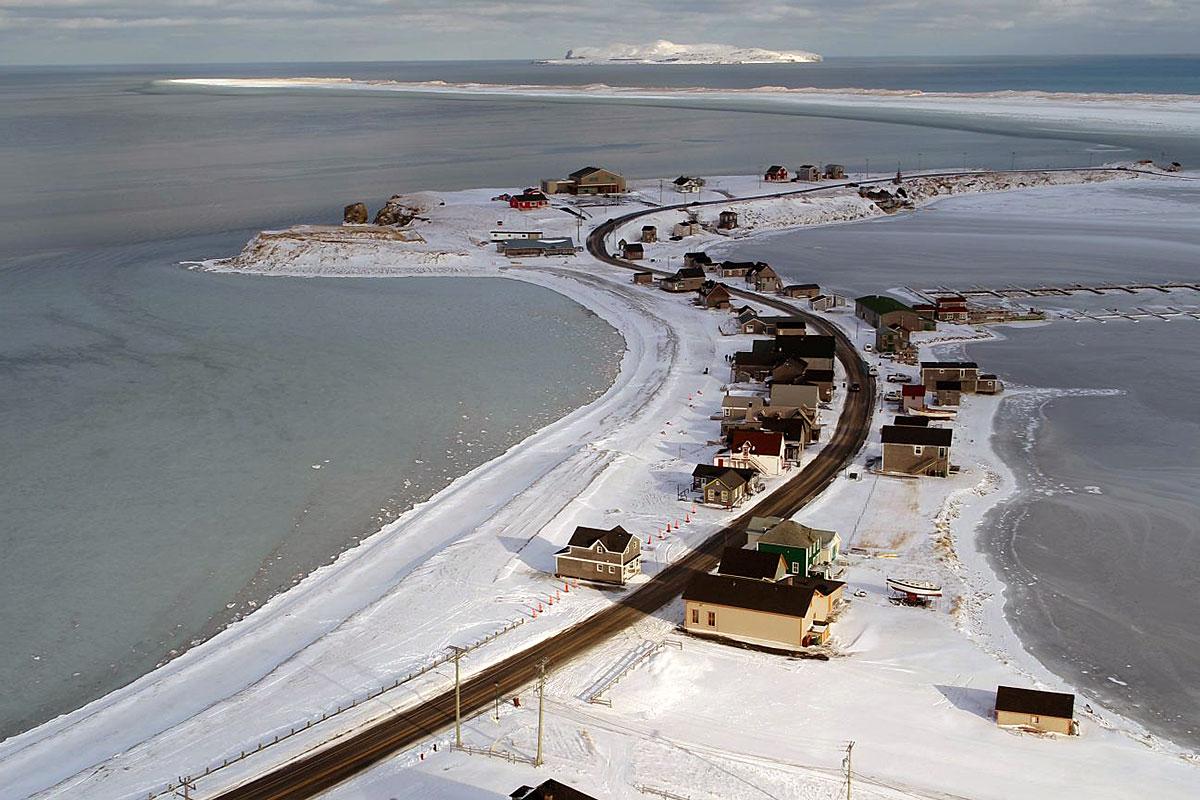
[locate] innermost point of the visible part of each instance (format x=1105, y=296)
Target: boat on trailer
x=933, y=413
x=913, y=592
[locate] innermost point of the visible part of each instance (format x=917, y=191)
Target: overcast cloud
x=174, y=31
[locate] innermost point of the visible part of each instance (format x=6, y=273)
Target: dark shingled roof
x=756, y=564
x=949, y=365
x=818, y=376
x=615, y=541
x=907, y=434
x=713, y=472
x=549, y=790
x=773, y=598
x=690, y=272
x=699, y=257
x=916, y=422
x=811, y=346
x=1034, y=701
x=949, y=386
x=824, y=586
x=881, y=304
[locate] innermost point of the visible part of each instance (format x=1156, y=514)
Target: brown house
x=727, y=220
x=1049, y=712
x=988, y=384
x=835, y=171
x=891, y=339
x=714, y=295
x=612, y=556
x=947, y=393
x=633, y=251
x=756, y=611
x=649, y=234
x=736, y=269
x=910, y=450
x=951, y=308
x=965, y=372
x=775, y=173
x=760, y=566
x=763, y=278
x=688, y=279
x=697, y=259
x=596, y=180
x=722, y=486
x=808, y=172
x=807, y=290
x=643, y=277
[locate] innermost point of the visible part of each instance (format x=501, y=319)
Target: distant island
x=665, y=52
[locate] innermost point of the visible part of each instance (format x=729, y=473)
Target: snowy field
x=908, y=686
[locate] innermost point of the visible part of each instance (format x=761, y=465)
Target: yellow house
x=1049, y=712
x=746, y=609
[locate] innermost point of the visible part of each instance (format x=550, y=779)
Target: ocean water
x=160, y=427
x=1099, y=547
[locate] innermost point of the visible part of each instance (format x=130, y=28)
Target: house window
x=918, y=449
x=695, y=616
x=611, y=569
x=941, y=452
x=599, y=568
x=795, y=567
x=712, y=619
x=1035, y=719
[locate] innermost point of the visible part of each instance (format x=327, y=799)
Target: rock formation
x=356, y=214
x=396, y=212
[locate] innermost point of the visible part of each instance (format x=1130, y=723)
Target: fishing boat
x=913, y=592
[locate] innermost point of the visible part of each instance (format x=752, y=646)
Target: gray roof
x=791, y=534
x=615, y=540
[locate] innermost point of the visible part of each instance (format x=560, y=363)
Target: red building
x=775, y=173
x=528, y=200
x=951, y=308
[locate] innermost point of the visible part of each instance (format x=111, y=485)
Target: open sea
x=178, y=446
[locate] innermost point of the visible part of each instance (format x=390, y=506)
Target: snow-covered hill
x=665, y=52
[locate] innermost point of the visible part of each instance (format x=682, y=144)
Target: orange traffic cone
x=687, y=518
x=676, y=524
x=566, y=587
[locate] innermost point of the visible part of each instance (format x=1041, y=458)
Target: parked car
x=892, y=395
x=869, y=348
x=900, y=377
x=874, y=370
x=854, y=387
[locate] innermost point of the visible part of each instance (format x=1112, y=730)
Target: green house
x=799, y=545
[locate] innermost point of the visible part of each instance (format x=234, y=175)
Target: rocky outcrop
x=397, y=211
x=356, y=214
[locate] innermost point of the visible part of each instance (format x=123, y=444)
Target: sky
x=215, y=31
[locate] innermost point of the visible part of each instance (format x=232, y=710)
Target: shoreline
x=561, y=281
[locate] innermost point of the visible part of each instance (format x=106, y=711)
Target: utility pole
x=497, y=702
x=458, y=651
x=541, y=665
x=868, y=167
x=186, y=787
x=846, y=764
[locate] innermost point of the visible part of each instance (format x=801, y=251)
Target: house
x=522, y=248
x=951, y=308
x=988, y=384
x=597, y=180
x=892, y=339
x=808, y=172
x=835, y=171
x=506, y=235
x=612, y=556
x=755, y=364
x=754, y=564
x=947, y=393
x=714, y=295
x=763, y=278
x=633, y=251
x=687, y=184
x=758, y=450
x=646, y=278
x=727, y=220
x=722, y=486
x=788, y=326
x=799, y=545
x=736, y=269
x=912, y=396
x=965, y=372
x=823, y=380
x=816, y=351
x=880, y=311
x=825, y=302
x=760, y=612
x=910, y=450
x=827, y=595
x=689, y=227
x=794, y=397
x=738, y=407
x=806, y=290
x=528, y=200
x=754, y=325
x=1048, y=712
x=688, y=279
x=788, y=370
x=699, y=259
x=649, y=234
x=799, y=431
x=549, y=790
x=775, y=173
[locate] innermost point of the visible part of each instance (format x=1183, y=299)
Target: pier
x=1013, y=291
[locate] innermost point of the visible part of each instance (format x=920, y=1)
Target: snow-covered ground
x=475, y=558
x=666, y=52
x=1164, y=114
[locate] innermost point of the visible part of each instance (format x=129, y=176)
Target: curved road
x=311, y=774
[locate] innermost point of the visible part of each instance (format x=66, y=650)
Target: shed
x=727, y=220
x=1050, y=712
x=649, y=234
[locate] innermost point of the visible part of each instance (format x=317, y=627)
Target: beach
x=597, y=463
